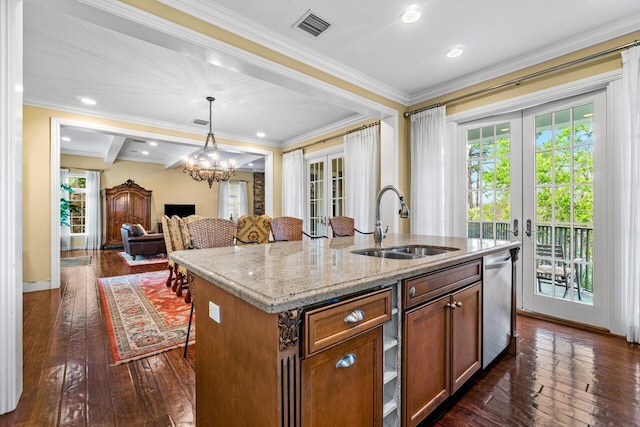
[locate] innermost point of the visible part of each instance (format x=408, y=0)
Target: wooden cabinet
x=342, y=386
x=342, y=376
x=124, y=203
x=441, y=342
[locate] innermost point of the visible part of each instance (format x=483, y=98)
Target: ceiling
x=143, y=74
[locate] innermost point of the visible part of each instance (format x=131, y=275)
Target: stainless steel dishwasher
x=496, y=305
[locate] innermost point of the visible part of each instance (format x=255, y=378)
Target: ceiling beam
x=114, y=149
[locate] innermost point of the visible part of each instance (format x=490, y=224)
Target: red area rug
x=142, y=259
x=143, y=316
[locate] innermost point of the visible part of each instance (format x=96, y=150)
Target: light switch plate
x=214, y=312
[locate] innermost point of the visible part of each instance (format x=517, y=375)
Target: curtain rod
x=82, y=169
x=519, y=80
x=333, y=137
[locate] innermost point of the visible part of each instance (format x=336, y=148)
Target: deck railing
x=582, y=243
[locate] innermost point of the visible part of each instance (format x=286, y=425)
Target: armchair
x=136, y=241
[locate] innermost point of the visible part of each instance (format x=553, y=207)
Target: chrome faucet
x=378, y=234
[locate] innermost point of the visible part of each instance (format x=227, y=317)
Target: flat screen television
x=180, y=210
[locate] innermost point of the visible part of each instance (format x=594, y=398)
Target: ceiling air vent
x=201, y=122
x=312, y=24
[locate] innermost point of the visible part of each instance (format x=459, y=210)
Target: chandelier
x=206, y=164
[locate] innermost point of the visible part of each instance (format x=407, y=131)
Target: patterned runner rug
x=143, y=316
x=142, y=259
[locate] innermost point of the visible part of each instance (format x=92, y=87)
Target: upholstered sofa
x=137, y=241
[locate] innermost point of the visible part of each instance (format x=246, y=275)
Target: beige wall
x=166, y=185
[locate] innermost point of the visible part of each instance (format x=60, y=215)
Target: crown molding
x=250, y=30
x=601, y=35
x=320, y=132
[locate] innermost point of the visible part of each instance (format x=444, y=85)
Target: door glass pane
x=337, y=187
x=489, y=181
x=316, y=197
x=564, y=204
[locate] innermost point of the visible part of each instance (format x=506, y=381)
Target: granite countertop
x=282, y=276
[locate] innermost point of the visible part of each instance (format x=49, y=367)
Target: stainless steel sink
x=386, y=254
x=405, y=252
x=421, y=249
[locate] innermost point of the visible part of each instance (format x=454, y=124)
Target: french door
x=538, y=174
x=325, y=192
x=564, y=170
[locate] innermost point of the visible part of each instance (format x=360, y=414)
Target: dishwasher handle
x=498, y=263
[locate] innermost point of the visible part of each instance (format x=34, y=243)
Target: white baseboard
x=43, y=285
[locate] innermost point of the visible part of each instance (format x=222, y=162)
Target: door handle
x=528, y=231
x=515, y=227
x=346, y=361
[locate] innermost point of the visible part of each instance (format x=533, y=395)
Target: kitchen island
x=288, y=330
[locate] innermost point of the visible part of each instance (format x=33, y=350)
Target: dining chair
x=553, y=267
x=167, y=242
x=253, y=229
x=287, y=229
x=211, y=233
x=177, y=242
x=342, y=226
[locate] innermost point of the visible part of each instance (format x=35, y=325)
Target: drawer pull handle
x=412, y=292
x=451, y=306
x=458, y=303
x=346, y=361
x=354, y=317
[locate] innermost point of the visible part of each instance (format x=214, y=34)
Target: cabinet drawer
x=423, y=288
x=326, y=326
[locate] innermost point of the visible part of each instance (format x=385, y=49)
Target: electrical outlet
x=214, y=312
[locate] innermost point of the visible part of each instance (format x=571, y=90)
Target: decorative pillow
x=137, y=230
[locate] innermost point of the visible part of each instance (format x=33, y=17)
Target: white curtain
x=93, y=226
x=433, y=192
x=629, y=200
x=293, y=183
x=361, y=176
x=223, y=200
x=65, y=230
x=243, y=204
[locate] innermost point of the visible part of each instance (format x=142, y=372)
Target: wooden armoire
x=123, y=203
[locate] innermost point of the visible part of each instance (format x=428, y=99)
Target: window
x=78, y=204
x=233, y=200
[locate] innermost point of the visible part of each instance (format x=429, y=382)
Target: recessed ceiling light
x=260, y=134
x=250, y=164
x=411, y=15
x=146, y=153
x=65, y=139
x=88, y=101
x=153, y=144
x=455, y=52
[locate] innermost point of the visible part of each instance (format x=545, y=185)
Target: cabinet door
x=118, y=215
x=426, y=373
x=140, y=209
x=466, y=334
x=342, y=386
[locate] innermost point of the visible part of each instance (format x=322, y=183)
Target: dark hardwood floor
x=563, y=375
x=68, y=374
